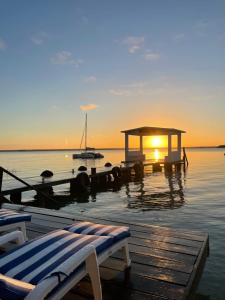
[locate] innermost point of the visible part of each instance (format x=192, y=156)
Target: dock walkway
x=166, y=263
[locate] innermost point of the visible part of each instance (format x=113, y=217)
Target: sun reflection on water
x=156, y=155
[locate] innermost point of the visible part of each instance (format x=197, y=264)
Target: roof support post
x=169, y=147
x=126, y=146
x=179, y=144
x=141, y=144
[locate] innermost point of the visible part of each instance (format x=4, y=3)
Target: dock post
x=16, y=198
x=93, y=171
x=73, y=186
x=168, y=167
x=156, y=167
x=178, y=167
x=1, y=178
x=93, y=178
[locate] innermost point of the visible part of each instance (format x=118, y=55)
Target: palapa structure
x=174, y=153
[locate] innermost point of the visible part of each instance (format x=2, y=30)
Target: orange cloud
x=88, y=107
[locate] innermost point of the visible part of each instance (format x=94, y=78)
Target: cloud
x=3, y=45
x=39, y=38
x=178, y=37
x=120, y=92
x=54, y=108
x=90, y=79
x=134, y=43
x=65, y=58
x=88, y=107
x=138, y=84
x=151, y=56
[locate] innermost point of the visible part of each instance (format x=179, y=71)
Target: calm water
x=195, y=200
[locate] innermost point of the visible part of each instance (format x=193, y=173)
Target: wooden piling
x=168, y=167
x=73, y=184
x=156, y=167
x=178, y=167
x=93, y=171
x=16, y=198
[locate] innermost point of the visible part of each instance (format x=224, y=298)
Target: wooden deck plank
x=163, y=254
x=163, y=263
x=164, y=245
x=167, y=239
x=144, y=284
x=160, y=253
x=159, y=262
x=141, y=242
x=111, y=291
x=150, y=271
x=197, y=271
x=167, y=244
x=150, y=250
x=144, y=228
x=66, y=217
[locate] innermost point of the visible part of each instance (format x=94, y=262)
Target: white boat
x=87, y=154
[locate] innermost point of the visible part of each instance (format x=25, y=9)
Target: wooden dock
x=166, y=263
x=81, y=181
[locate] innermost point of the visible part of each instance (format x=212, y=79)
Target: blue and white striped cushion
x=39, y=258
x=8, y=216
x=12, y=289
x=116, y=232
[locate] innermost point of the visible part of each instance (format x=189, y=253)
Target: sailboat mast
x=86, y=132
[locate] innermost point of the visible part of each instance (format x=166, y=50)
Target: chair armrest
x=16, y=236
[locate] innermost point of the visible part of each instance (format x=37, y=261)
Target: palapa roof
x=148, y=131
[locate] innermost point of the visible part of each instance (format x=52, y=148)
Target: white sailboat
x=87, y=154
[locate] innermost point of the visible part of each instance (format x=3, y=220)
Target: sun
x=156, y=141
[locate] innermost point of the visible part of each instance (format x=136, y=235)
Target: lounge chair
x=119, y=235
x=48, y=267
x=11, y=220
x=116, y=232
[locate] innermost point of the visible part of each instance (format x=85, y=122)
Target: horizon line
x=102, y=148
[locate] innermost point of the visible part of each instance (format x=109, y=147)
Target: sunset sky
x=131, y=63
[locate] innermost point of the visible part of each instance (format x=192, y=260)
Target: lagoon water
x=194, y=200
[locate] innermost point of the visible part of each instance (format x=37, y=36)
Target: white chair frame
x=14, y=226
x=87, y=255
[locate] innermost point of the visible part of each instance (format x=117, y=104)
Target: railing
x=30, y=187
x=185, y=159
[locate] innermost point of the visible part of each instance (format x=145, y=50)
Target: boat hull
x=88, y=155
